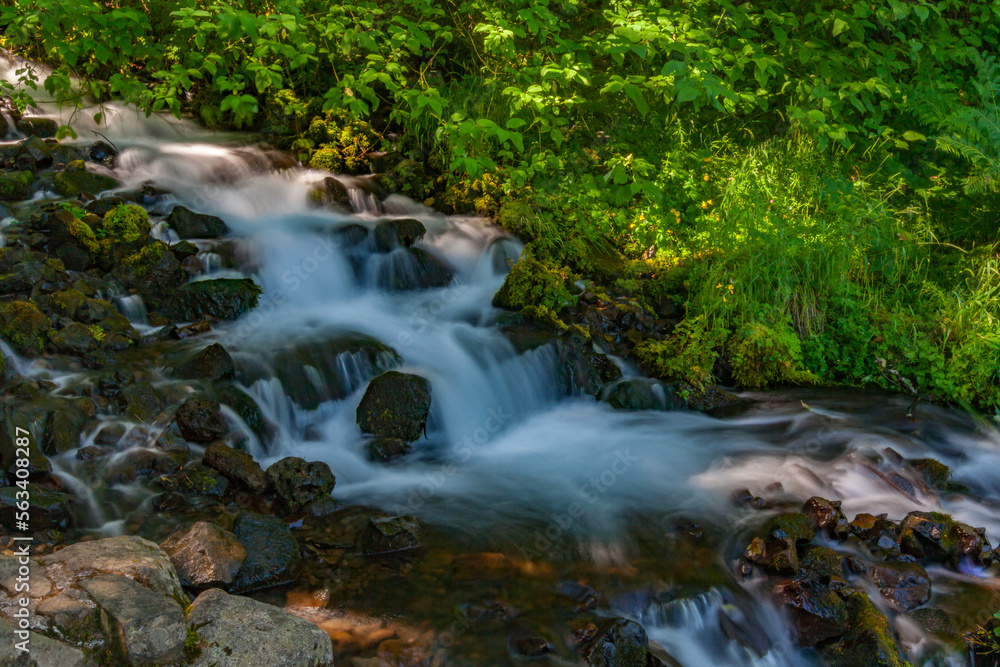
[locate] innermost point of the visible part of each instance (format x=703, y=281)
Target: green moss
x=66, y=303
x=192, y=645
x=688, y=354
x=767, y=355
x=97, y=332
x=535, y=284
x=519, y=218
x=84, y=235
x=869, y=641
x=15, y=185
x=327, y=158
x=479, y=196
x=141, y=262
x=126, y=223
x=24, y=327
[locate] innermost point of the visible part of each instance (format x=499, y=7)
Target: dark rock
x=222, y=298
x=104, y=205
x=619, y=643
x=939, y=538
x=211, y=363
x=101, y=151
x=828, y=517
x=271, y=552
x=93, y=311
x=143, y=627
x=139, y=463
x=202, y=480
x=46, y=509
x=184, y=249
x=200, y=420
x=10, y=419
x=329, y=192
x=385, y=449
x=205, y=555
x=237, y=466
x=140, y=402
x=798, y=527
x=191, y=225
x=411, y=268
x=34, y=154
x=351, y=234
x=385, y=535
x=62, y=432
x=24, y=327
x=905, y=585
x=642, y=394
x=245, y=407
x=525, y=643
x=64, y=154
x=38, y=127
x=395, y=405
x=299, y=483
x=817, y=612
x=392, y=234
x=933, y=621
x=820, y=564
x=938, y=476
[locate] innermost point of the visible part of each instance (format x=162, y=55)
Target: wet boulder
x=74, y=339
x=141, y=402
x=200, y=420
x=16, y=185
x=411, y=269
x=271, y=552
x=939, y=538
x=299, y=483
x=142, y=626
x=403, y=232
x=938, y=476
x=211, y=363
x=62, y=431
x=820, y=564
x=236, y=631
x=200, y=479
x=153, y=271
x=103, y=205
x=101, y=151
x=244, y=407
x=818, y=613
x=222, y=298
x=24, y=327
x=827, y=517
x=775, y=549
x=391, y=534
x=395, y=405
x=129, y=556
x=139, y=463
x=205, y=555
x=641, y=394
x=906, y=585
x=869, y=641
x=330, y=192
x=384, y=449
x=191, y=225
x=237, y=466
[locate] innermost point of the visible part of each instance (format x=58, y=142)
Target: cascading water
x=510, y=462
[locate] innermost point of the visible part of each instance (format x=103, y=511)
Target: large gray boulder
x=42, y=651
x=127, y=555
x=237, y=631
x=142, y=627
x=395, y=405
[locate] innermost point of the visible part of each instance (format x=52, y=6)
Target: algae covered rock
x=16, y=185
x=222, y=298
x=24, y=327
x=404, y=232
x=395, y=405
x=870, y=640
x=126, y=223
x=71, y=182
x=211, y=363
x=299, y=482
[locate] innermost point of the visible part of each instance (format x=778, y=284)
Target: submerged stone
x=271, y=552
x=392, y=234
x=385, y=535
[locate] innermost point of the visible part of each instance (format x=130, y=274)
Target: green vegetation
x=811, y=185
x=125, y=223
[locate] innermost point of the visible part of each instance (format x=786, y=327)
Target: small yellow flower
x=704, y=204
x=706, y=177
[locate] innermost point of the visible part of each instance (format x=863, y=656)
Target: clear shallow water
x=511, y=462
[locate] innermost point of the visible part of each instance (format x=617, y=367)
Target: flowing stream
x=636, y=505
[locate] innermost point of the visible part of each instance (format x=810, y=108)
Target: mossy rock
x=619, y=642
x=16, y=185
x=797, y=527
x=153, y=270
x=407, y=178
x=126, y=223
x=222, y=298
x=532, y=283
x=395, y=405
x=62, y=432
x=385, y=535
x=38, y=127
x=519, y=218
x=299, y=482
x=141, y=402
x=31, y=419
x=34, y=153
x=24, y=327
x=73, y=182
x=67, y=302
x=101, y=207
x=642, y=394
x=938, y=476
x=75, y=339
x=870, y=640
x=403, y=232
x=327, y=158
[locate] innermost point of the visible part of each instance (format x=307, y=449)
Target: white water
x=504, y=446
